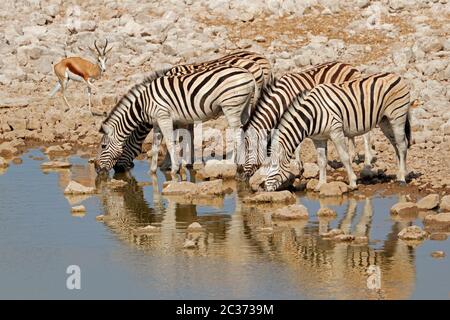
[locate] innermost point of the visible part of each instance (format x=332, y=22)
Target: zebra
x=334, y=111
x=162, y=101
x=255, y=63
x=275, y=100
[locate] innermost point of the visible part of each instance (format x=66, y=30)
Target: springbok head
x=101, y=54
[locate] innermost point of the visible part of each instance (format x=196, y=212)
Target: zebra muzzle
x=99, y=169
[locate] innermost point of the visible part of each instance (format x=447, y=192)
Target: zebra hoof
x=402, y=183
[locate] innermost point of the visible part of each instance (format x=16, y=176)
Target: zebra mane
x=126, y=97
x=155, y=75
x=266, y=90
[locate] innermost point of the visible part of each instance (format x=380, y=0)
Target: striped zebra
x=163, y=101
x=274, y=102
x=336, y=111
x=255, y=63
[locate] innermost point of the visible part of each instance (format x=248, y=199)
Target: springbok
x=82, y=70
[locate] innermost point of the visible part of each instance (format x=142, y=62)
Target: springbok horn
x=106, y=45
x=98, y=50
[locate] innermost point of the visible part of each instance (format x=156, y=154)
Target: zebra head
x=278, y=171
x=255, y=146
x=110, y=151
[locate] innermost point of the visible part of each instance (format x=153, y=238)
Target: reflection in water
x=341, y=267
x=236, y=233
x=240, y=252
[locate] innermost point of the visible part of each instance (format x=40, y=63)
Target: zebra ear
x=105, y=129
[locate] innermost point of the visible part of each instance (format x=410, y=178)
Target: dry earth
x=410, y=38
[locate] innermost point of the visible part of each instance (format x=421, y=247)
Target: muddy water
x=237, y=255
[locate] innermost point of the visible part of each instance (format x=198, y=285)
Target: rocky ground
x=409, y=37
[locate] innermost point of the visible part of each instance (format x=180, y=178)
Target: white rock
x=74, y=188
x=195, y=226
x=192, y=190
x=397, y=4
x=56, y=165
x=429, y=202
x=445, y=203
x=271, y=197
x=402, y=57
x=438, y=221
x=326, y=212
x=333, y=189
x=292, y=212
x=403, y=208
x=78, y=209
x=219, y=169
x=311, y=170
x=412, y=233
x=189, y=244
x=148, y=230
x=3, y=163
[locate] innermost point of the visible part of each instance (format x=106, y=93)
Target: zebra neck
x=290, y=141
x=124, y=123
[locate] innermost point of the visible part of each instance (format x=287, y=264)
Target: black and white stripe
x=164, y=100
x=255, y=63
x=275, y=100
x=336, y=111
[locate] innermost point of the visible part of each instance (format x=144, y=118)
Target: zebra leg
x=340, y=142
x=155, y=149
x=166, y=126
x=352, y=149
x=395, y=132
x=368, y=155
x=233, y=116
x=322, y=161
x=166, y=165
x=402, y=146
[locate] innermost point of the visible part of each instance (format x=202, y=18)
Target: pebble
x=78, y=209
x=292, y=212
x=438, y=254
x=326, y=212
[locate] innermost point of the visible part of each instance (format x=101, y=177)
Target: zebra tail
x=55, y=89
x=255, y=98
x=408, y=130
x=414, y=104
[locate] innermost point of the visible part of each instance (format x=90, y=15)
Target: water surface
x=236, y=257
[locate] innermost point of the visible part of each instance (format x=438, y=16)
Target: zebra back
x=276, y=99
x=187, y=98
x=354, y=107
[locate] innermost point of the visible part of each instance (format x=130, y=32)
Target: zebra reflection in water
x=318, y=267
x=329, y=269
